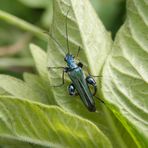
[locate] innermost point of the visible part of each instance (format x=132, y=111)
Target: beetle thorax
x=70, y=61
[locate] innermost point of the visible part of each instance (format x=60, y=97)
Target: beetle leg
x=80, y=64
x=72, y=90
x=92, y=82
x=100, y=100
x=78, y=52
x=64, y=70
x=86, y=68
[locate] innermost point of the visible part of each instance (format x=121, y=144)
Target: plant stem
x=23, y=25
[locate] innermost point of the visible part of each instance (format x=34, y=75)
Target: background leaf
x=114, y=17
x=35, y=3
x=14, y=62
x=46, y=126
x=127, y=69
x=40, y=59
x=40, y=88
x=3, y=92
x=18, y=88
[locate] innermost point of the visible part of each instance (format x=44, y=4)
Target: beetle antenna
x=50, y=34
x=67, y=32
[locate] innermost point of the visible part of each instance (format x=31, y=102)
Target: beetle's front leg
x=72, y=90
x=92, y=82
x=65, y=69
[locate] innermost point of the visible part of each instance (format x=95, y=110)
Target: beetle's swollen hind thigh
x=72, y=90
x=92, y=82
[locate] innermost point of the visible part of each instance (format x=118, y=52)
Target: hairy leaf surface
x=128, y=62
x=47, y=126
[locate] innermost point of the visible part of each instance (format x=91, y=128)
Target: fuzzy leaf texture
x=128, y=62
x=45, y=126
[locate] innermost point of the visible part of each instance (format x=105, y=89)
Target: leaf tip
x=32, y=46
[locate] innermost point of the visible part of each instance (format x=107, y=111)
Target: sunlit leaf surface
x=41, y=125
x=127, y=68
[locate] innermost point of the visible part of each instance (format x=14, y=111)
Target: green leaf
x=14, y=62
x=18, y=88
x=127, y=68
x=85, y=30
x=40, y=87
x=114, y=16
x=3, y=92
x=47, y=16
x=9, y=18
x=40, y=59
x=14, y=143
x=123, y=119
x=46, y=126
x=36, y=3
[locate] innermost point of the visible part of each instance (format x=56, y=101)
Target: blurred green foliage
x=111, y=12
x=39, y=13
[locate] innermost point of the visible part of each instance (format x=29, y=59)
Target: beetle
x=80, y=82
